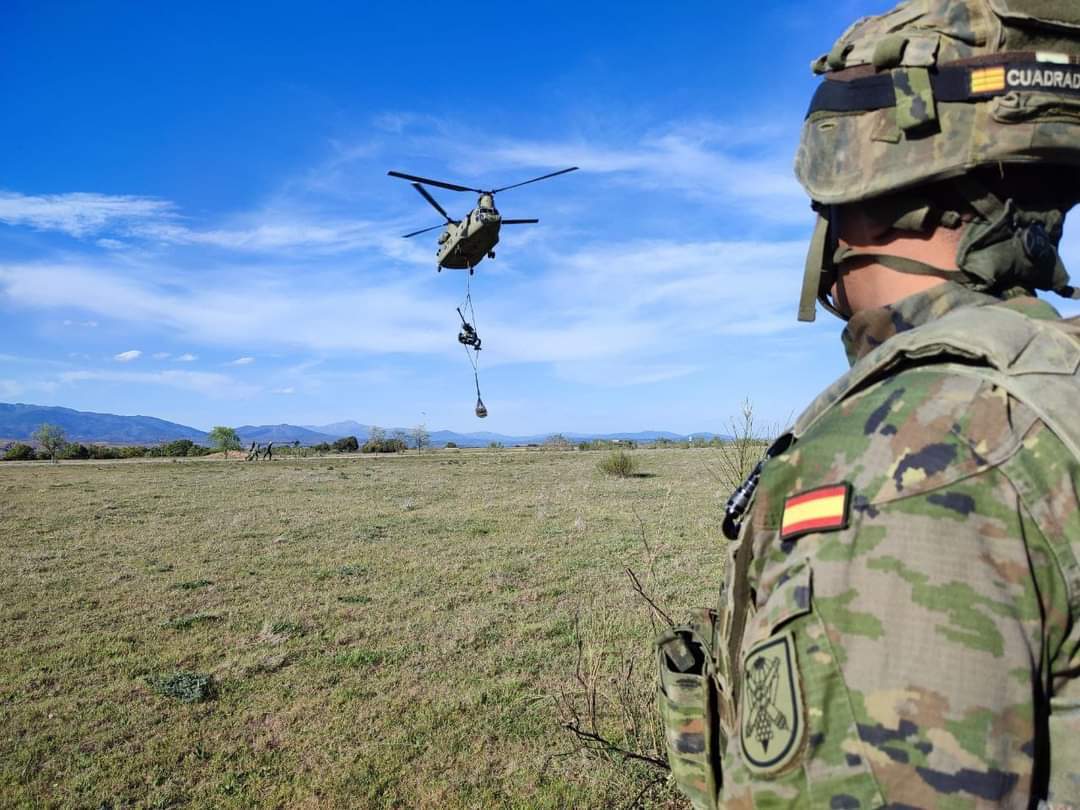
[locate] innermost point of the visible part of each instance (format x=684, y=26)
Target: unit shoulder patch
x=823, y=509
x=772, y=726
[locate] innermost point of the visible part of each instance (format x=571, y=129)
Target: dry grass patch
x=405, y=634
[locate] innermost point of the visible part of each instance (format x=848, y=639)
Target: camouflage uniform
x=899, y=625
x=935, y=638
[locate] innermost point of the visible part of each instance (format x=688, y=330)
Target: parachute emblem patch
x=820, y=510
x=772, y=726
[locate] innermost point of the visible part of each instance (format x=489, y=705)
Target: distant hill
x=20, y=421
x=339, y=430
x=283, y=434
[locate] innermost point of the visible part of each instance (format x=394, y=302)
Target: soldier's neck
x=869, y=328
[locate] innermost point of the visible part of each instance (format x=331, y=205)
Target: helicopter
x=464, y=243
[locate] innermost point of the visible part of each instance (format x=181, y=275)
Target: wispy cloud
x=162, y=355
x=82, y=324
x=219, y=386
x=397, y=316
x=81, y=214
x=642, y=299
x=698, y=160
x=187, y=357
x=285, y=391
x=116, y=220
x=740, y=168
x=128, y=356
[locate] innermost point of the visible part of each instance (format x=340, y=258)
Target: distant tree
x=347, y=445
x=74, y=450
x=224, y=439
x=451, y=445
x=180, y=447
x=51, y=438
x=322, y=448
x=557, y=441
x=19, y=452
x=401, y=436
x=376, y=440
x=421, y=438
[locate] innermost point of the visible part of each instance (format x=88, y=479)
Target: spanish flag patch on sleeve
x=824, y=509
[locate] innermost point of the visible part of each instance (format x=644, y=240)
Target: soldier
x=900, y=622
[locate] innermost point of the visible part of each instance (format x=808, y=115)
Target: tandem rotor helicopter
x=463, y=244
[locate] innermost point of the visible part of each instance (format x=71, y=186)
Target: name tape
x=1028, y=77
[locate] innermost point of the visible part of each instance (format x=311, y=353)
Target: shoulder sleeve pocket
x=789, y=600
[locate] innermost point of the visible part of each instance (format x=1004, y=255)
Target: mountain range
x=19, y=421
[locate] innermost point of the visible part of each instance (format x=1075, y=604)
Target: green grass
x=380, y=632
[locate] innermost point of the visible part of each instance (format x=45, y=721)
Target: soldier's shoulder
x=915, y=431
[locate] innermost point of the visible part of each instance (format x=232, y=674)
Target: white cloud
x=397, y=316
x=158, y=221
x=285, y=391
x=187, y=357
x=646, y=300
x=218, y=386
x=740, y=168
x=161, y=355
x=79, y=214
x=83, y=324
x=241, y=361
x=686, y=161
x=128, y=356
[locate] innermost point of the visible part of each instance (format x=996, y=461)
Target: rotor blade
x=519, y=221
x=439, y=183
x=425, y=230
x=424, y=193
x=535, y=179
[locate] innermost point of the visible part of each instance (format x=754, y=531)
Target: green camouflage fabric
x=935, y=641
x=686, y=698
x=852, y=156
x=915, y=105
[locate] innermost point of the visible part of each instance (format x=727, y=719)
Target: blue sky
x=196, y=222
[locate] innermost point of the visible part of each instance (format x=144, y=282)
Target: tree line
x=52, y=445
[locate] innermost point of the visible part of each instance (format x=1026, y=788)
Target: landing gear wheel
x=491, y=254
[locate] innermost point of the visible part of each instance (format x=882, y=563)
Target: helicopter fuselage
x=465, y=244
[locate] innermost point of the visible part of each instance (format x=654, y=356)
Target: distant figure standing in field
x=899, y=624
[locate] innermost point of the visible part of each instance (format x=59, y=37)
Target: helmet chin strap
x=1002, y=249
x=824, y=269
x=818, y=269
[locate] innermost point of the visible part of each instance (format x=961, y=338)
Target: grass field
x=382, y=632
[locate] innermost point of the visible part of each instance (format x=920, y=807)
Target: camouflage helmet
x=930, y=92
